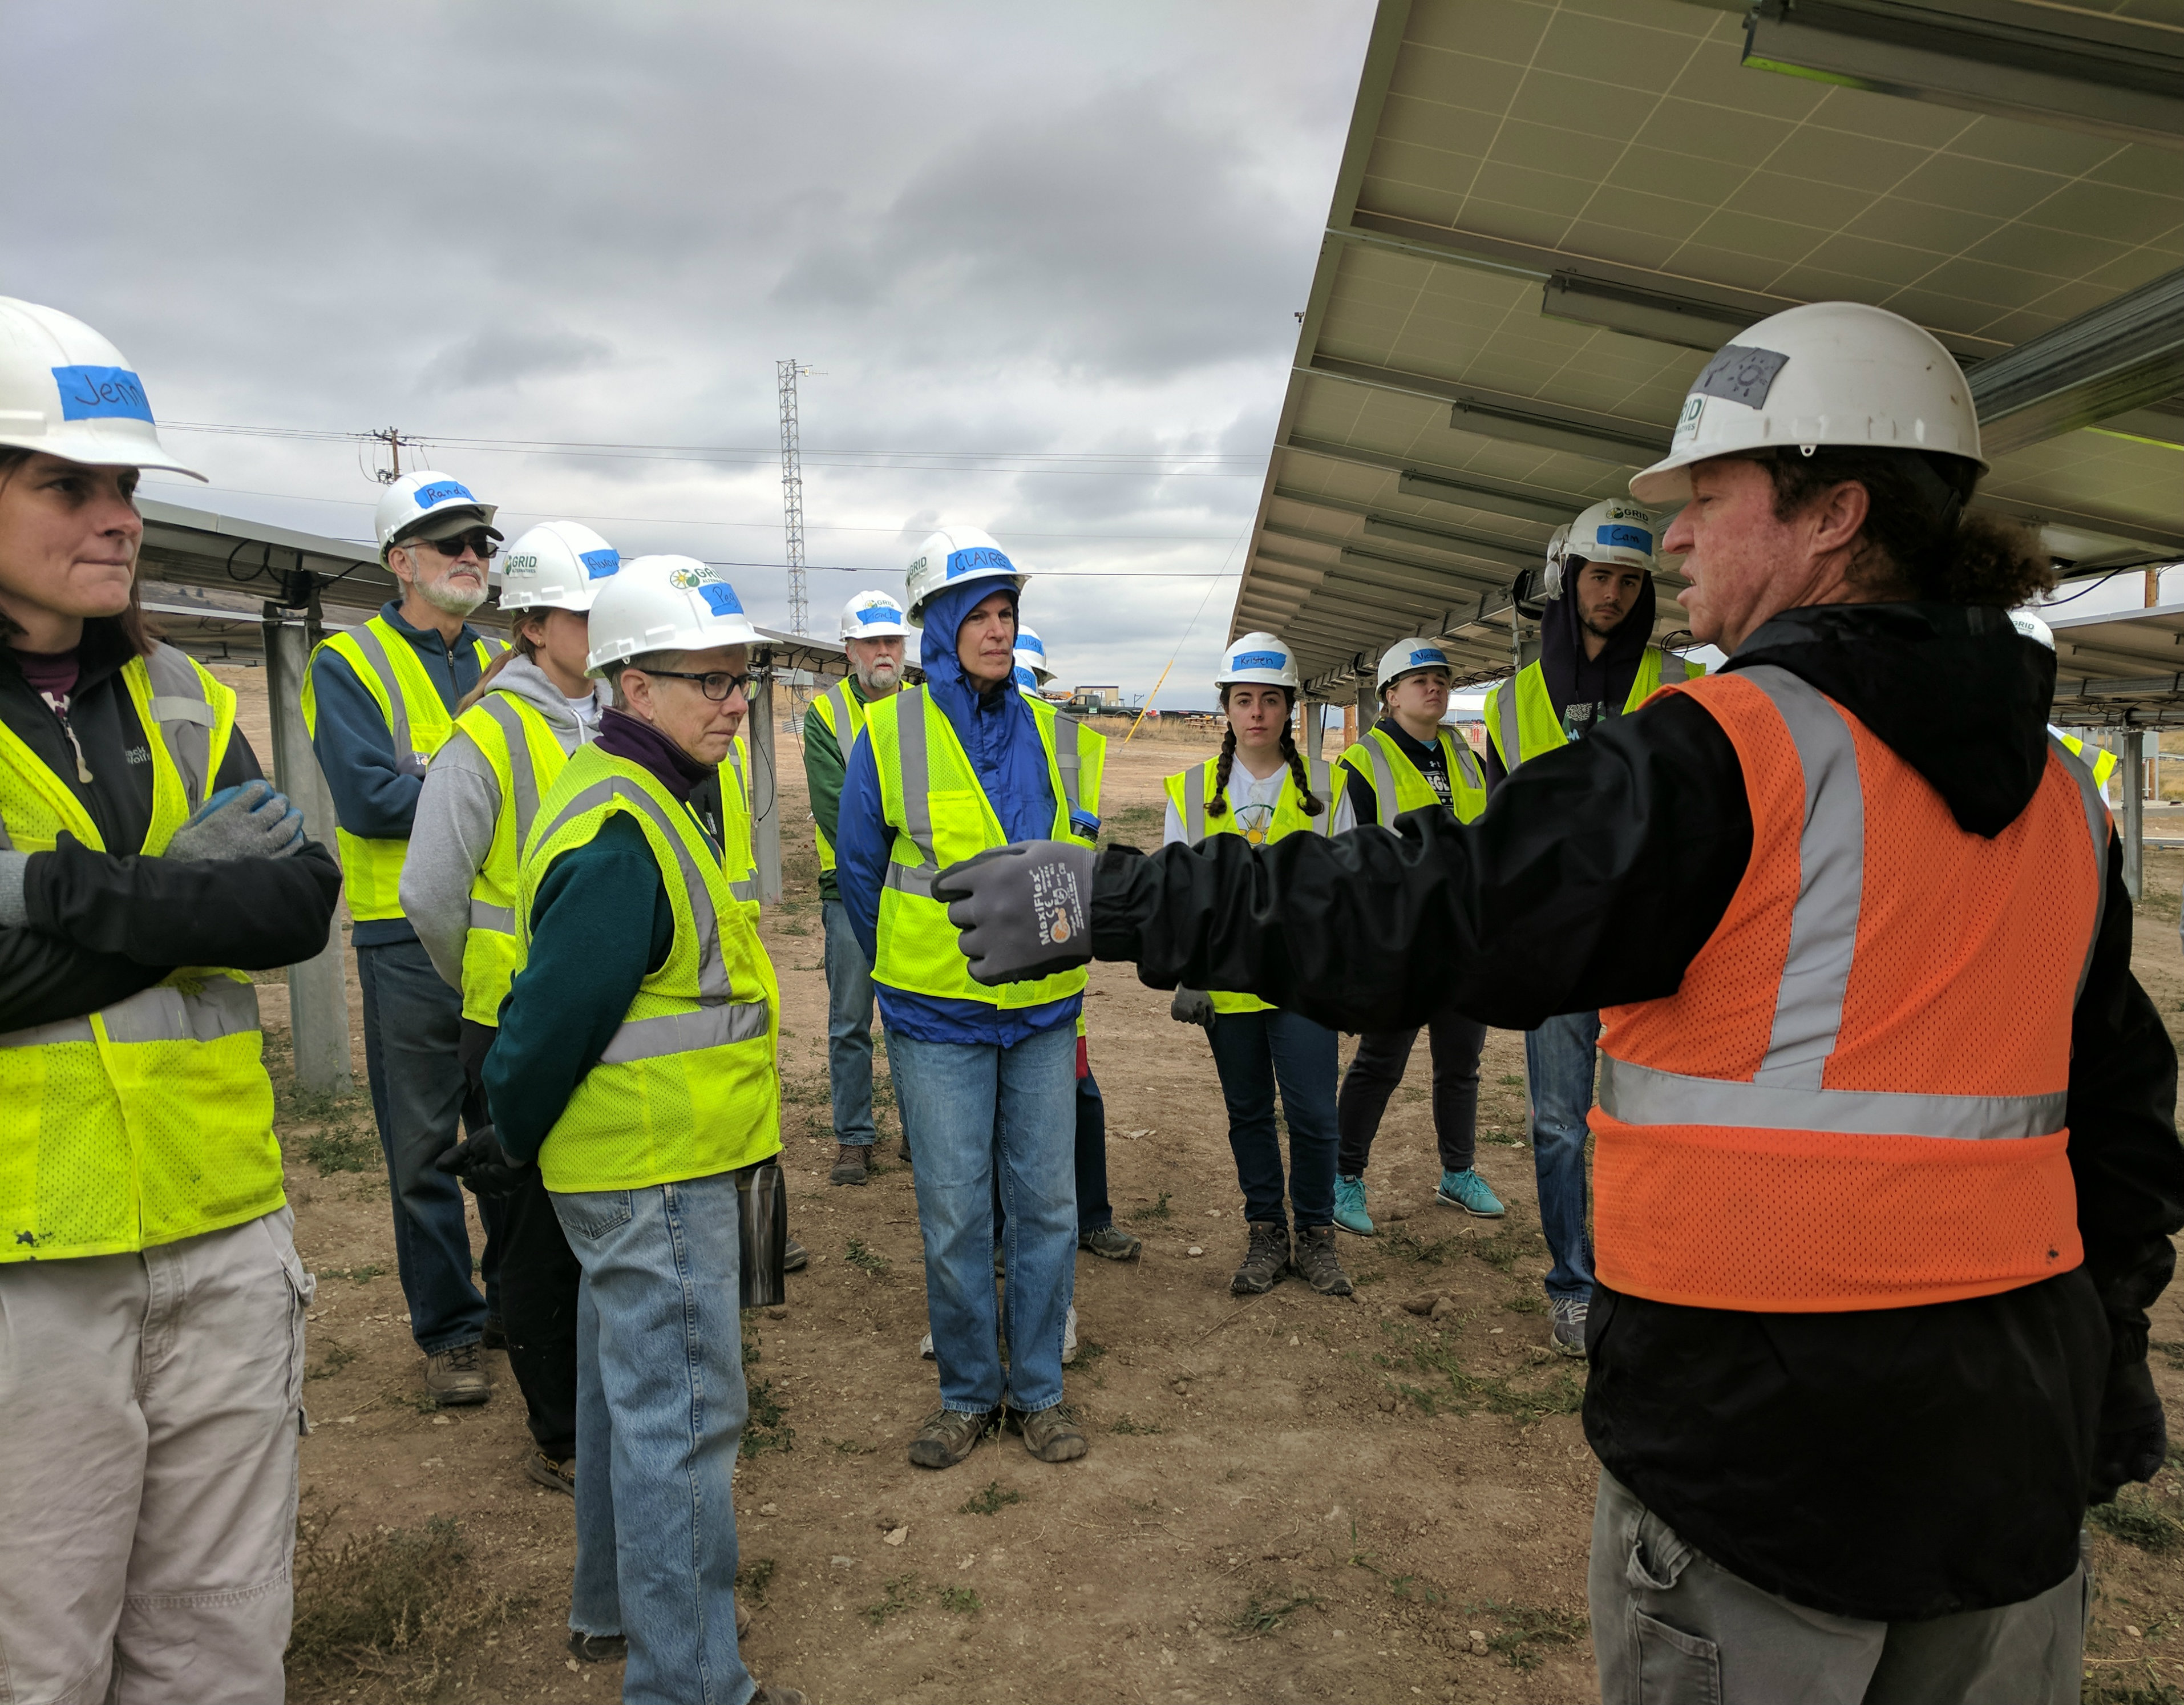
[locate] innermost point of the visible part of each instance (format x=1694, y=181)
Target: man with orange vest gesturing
x=1887, y=1158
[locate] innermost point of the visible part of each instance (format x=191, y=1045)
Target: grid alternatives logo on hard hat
x=872, y=615
x=664, y=603
x=65, y=391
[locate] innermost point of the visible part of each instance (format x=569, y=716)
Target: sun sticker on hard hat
x=1060, y=910
x=601, y=563
x=689, y=579
x=440, y=491
x=721, y=599
x=102, y=394
x=1741, y=373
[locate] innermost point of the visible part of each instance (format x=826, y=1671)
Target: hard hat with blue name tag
x=664, y=603
x=1411, y=657
x=1031, y=658
x=954, y=556
x=1616, y=532
x=1257, y=660
x=557, y=565
x=872, y=615
x=66, y=392
x=423, y=500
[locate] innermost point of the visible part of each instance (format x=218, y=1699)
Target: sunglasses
x=718, y=686
x=479, y=539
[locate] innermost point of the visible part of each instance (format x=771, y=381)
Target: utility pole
x=392, y=437
x=792, y=499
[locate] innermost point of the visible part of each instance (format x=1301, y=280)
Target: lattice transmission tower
x=792, y=499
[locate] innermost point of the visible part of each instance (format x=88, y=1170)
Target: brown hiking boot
x=1317, y=1263
x=852, y=1164
x=1049, y=1434
x=1264, y=1261
x=457, y=1376
x=559, y=1476
x=775, y=1694
x=947, y=1437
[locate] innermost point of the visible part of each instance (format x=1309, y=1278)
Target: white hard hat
x=416, y=498
x=1616, y=531
x=1408, y=656
x=2033, y=627
x=664, y=603
x=872, y=615
x=66, y=391
x=1031, y=654
x=1840, y=373
x=1257, y=660
x=954, y=556
x=559, y=565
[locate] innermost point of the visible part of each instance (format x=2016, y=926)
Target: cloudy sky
x=1044, y=261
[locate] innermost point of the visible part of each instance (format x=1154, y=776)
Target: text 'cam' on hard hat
x=65, y=391
x=1616, y=532
x=664, y=603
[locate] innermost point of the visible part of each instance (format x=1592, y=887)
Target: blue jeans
x=660, y=1416
x=849, y=1028
x=975, y=1113
x=413, y=1061
x=1094, y=1211
x=1558, y=1069
x=1254, y=1052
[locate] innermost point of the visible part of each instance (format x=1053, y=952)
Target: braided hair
x=1218, y=806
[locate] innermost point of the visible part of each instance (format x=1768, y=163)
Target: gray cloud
x=508, y=356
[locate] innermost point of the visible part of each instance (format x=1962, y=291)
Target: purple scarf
x=632, y=738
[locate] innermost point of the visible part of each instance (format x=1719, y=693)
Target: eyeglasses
x=477, y=539
x=718, y=685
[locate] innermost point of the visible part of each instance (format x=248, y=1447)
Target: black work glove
x=480, y=1161
x=1025, y=910
x=2134, y=1437
x=1192, y=1006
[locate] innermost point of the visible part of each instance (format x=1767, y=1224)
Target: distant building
x=1099, y=695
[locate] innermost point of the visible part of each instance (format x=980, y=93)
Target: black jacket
x=1571, y=678
x=104, y=925
x=1899, y=1463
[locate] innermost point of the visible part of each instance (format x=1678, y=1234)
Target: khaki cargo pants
x=149, y=1407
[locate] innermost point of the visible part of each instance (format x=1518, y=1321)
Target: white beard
x=445, y=598
x=881, y=678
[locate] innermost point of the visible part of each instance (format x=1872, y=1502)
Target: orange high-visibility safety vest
x=1856, y=1099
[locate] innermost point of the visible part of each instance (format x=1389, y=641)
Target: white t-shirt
x=586, y=711
x=1252, y=802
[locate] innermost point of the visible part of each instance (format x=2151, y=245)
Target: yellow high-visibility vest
x=150, y=1119
x=386, y=663
x=2102, y=762
x=1187, y=791
x=843, y=713
x=1523, y=723
x=1400, y=785
x=688, y=1086
x=933, y=800
x=738, y=847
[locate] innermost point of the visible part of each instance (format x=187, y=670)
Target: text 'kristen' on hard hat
x=557, y=565
x=954, y=556
x=872, y=615
x=1257, y=660
x=65, y=391
x=664, y=603
x=421, y=504
x=1616, y=532
x=1835, y=373
x=1031, y=654
x=1409, y=656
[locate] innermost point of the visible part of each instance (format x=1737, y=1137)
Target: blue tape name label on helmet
x=102, y=394
x=1629, y=537
x=720, y=598
x=1426, y=654
x=1259, y=660
x=1031, y=643
x=879, y=612
x=439, y=492
x=600, y=565
x=976, y=557
x=1025, y=678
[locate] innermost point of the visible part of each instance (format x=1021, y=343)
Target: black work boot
x=1264, y=1261
x=1317, y=1263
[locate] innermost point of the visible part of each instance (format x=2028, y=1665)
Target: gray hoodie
x=456, y=813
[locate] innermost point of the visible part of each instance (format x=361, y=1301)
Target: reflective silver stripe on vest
x=746, y=889
x=1323, y=788
x=1467, y=761
x=713, y=983
x=1066, y=759
x=184, y=717
x=220, y=1007
x=1194, y=803
x=1383, y=782
x=845, y=719
x=398, y=709
x=2097, y=827
x=1504, y=705
x=686, y=1033
x=499, y=919
x=523, y=777
x=909, y=878
x=1640, y=1096
x=917, y=792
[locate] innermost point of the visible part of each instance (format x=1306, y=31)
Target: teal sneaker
x=1349, y=1207
x=1465, y=1190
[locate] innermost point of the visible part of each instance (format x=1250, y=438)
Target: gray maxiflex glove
x=1025, y=910
x=1192, y=1006
x=14, y=908
x=249, y=822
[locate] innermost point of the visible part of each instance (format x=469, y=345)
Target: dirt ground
x=1294, y=1497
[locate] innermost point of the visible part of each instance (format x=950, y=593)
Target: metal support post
x=317, y=987
x=1368, y=707
x=765, y=791
x=2132, y=777
x=1315, y=730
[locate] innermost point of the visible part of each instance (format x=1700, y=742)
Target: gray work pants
x=1672, y=1627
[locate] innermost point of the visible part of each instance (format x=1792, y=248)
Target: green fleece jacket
x=824, y=763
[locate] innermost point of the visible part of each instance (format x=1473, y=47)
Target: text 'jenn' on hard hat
x=65, y=391
x=1829, y=373
x=1409, y=656
x=872, y=615
x=557, y=565
x=953, y=556
x=664, y=603
x=1259, y=660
